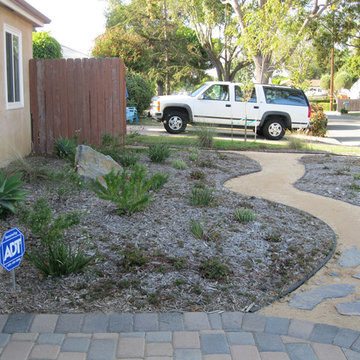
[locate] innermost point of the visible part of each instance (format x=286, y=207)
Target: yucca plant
x=244, y=215
x=65, y=148
x=10, y=193
x=201, y=232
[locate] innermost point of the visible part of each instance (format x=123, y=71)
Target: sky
x=74, y=23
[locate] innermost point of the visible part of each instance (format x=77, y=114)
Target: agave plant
x=10, y=192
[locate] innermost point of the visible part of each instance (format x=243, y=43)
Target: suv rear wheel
x=175, y=122
x=274, y=129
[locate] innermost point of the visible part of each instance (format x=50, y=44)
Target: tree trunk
x=160, y=87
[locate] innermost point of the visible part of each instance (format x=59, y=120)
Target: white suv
x=271, y=109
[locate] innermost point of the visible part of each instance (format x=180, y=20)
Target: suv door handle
x=228, y=105
x=256, y=107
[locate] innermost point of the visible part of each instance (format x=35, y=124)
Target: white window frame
x=16, y=104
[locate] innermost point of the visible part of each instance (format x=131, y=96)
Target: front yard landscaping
x=194, y=246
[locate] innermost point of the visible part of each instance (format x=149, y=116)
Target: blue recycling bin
x=131, y=115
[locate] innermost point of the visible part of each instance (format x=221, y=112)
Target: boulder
x=91, y=164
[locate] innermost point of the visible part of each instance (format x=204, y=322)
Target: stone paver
x=214, y=343
x=309, y=299
x=350, y=257
x=349, y=309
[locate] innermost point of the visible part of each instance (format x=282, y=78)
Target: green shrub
x=57, y=257
x=205, y=136
x=65, y=183
x=66, y=149
x=140, y=92
x=244, y=215
x=112, y=145
x=130, y=192
x=319, y=120
x=356, y=176
x=197, y=175
x=10, y=193
x=45, y=46
x=158, y=152
x=214, y=269
x=128, y=158
x=133, y=257
x=201, y=196
x=180, y=165
x=344, y=111
x=194, y=157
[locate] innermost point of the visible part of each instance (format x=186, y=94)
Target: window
x=240, y=97
x=285, y=96
x=13, y=68
x=217, y=92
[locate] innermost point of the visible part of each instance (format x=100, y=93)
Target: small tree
x=342, y=81
x=116, y=42
x=325, y=82
x=45, y=46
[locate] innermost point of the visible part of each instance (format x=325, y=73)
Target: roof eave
x=22, y=8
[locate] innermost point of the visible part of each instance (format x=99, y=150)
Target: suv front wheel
x=175, y=122
x=273, y=129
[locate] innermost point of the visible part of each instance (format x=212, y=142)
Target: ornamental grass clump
x=244, y=215
x=179, y=165
x=130, y=191
x=10, y=193
x=57, y=257
x=201, y=196
x=158, y=152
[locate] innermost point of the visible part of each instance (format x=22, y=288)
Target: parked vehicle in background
x=270, y=110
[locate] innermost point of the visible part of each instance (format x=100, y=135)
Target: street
x=342, y=130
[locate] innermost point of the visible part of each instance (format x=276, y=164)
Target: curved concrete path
x=275, y=183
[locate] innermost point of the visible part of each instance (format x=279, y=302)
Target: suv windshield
x=199, y=90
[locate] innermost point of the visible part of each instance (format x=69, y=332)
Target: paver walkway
x=283, y=333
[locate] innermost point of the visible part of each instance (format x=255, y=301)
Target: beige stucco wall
x=15, y=124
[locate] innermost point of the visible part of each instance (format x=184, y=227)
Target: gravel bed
x=334, y=176
x=261, y=258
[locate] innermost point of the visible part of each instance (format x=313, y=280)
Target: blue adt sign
x=12, y=249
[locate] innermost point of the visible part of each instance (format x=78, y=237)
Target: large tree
x=272, y=29
x=175, y=51
x=218, y=33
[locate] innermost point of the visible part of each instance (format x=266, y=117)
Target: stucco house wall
x=15, y=122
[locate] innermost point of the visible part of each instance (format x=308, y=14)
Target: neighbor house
x=17, y=19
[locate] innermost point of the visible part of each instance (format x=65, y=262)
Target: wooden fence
x=83, y=97
x=351, y=104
